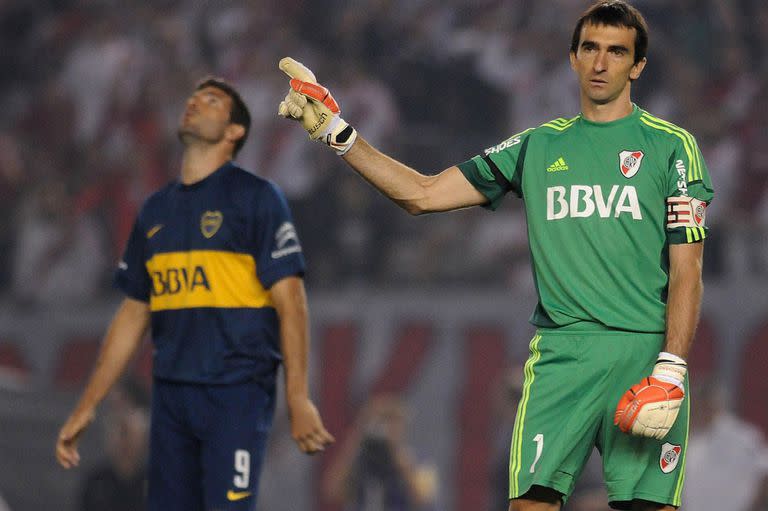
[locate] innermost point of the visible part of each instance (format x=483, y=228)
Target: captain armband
x=685, y=211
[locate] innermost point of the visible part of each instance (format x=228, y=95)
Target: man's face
x=206, y=116
x=604, y=62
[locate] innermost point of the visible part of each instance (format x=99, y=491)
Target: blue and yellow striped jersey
x=204, y=257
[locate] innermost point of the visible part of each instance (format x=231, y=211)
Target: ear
x=572, y=57
x=637, y=69
x=234, y=132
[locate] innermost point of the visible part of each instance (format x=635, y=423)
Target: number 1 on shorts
x=539, y=439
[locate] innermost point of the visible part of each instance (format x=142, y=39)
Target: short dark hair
x=615, y=13
x=238, y=114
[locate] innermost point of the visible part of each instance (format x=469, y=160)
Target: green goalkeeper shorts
x=573, y=382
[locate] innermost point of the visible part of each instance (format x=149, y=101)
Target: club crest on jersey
x=210, y=223
x=629, y=162
x=670, y=455
x=699, y=212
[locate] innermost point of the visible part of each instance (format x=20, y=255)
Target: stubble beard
x=197, y=135
x=604, y=98
x=188, y=136
x=185, y=136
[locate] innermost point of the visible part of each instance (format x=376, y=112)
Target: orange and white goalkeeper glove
x=649, y=408
x=313, y=105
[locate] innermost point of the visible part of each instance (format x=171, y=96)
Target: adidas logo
x=558, y=166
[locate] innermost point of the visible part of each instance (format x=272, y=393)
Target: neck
x=606, y=112
x=199, y=162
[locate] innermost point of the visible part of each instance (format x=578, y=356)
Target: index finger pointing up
x=296, y=69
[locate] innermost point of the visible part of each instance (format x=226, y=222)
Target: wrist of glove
x=671, y=369
x=338, y=135
x=316, y=109
x=649, y=408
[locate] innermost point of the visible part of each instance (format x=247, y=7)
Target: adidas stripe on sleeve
x=689, y=189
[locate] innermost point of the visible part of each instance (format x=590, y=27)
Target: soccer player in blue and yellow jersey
x=615, y=200
x=214, y=268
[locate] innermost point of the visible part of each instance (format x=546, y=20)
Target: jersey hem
x=273, y=275
x=128, y=290
x=471, y=172
x=684, y=242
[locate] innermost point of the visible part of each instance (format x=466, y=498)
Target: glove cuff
x=344, y=140
x=670, y=357
x=670, y=368
x=339, y=136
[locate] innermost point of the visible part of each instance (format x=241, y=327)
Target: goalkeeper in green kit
x=615, y=200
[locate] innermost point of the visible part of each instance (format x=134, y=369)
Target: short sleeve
x=277, y=249
x=131, y=276
x=498, y=170
x=689, y=192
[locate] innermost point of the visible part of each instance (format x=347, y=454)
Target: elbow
x=414, y=208
x=422, y=201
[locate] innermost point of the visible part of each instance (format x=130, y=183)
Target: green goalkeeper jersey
x=603, y=202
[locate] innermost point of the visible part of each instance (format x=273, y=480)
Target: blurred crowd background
x=93, y=89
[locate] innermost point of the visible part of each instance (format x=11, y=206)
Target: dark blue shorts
x=207, y=445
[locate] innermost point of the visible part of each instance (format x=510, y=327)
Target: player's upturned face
x=605, y=62
x=206, y=116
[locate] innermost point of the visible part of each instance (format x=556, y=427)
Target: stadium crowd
x=93, y=88
x=88, y=123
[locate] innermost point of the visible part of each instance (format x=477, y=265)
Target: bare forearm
x=683, y=304
x=294, y=336
x=120, y=344
x=295, y=353
x=683, y=316
x=414, y=192
x=404, y=185
x=290, y=302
